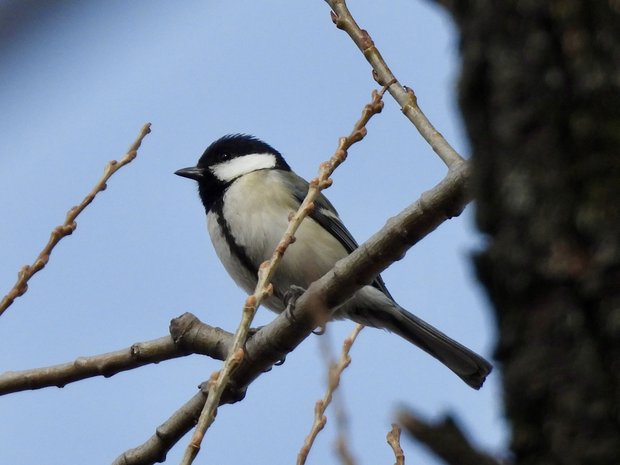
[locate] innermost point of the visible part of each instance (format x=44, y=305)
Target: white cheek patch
x=232, y=169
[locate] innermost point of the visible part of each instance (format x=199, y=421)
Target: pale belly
x=259, y=222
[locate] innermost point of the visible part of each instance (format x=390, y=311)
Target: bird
x=248, y=191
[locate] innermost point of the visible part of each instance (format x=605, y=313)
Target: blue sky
x=76, y=90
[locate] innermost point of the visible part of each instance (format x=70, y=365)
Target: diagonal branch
x=444, y=201
x=383, y=75
x=286, y=331
x=166, y=435
x=67, y=228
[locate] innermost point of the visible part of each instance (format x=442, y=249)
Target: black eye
x=225, y=156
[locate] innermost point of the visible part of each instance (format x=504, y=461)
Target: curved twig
x=393, y=439
x=67, y=228
x=335, y=370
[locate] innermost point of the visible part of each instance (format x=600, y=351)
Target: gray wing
x=326, y=215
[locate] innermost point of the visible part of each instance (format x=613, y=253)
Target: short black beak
x=192, y=173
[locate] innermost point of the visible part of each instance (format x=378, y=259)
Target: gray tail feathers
x=469, y=366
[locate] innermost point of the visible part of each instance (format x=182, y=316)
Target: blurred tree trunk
x=540, y=96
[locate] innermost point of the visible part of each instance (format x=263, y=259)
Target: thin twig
x=335, y=370
x=393, y=439
x=342, y=443
x=67, y=228
x=383, y=75
x=266, y=271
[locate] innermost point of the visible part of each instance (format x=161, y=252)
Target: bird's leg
x=290, y=299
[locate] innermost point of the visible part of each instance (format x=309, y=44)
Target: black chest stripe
x=235, y=249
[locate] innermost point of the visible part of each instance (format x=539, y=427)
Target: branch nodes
x=67, y=228
x=393, y=439
x=188, y=335
x=333, y=381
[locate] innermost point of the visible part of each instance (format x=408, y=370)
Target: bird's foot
x=253, y=331
x=290, y=299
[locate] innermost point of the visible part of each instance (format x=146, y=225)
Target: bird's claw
x=253, y=331
x=290, y=299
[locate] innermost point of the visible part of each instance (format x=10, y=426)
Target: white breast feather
x=258, y=215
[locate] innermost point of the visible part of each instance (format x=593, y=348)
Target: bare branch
x=67, y=228
x=444, y=201
x=107, y=365
x=445, y=439
x=335, y=370
x=383, y=75
x=393, y=439
x=189, y=336
x=166, y=435
x=266, y=271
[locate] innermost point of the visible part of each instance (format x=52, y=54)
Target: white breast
x=257, y=215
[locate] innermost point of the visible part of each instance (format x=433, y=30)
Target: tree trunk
x=540, y=95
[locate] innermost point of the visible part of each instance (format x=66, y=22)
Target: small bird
x=248, y=191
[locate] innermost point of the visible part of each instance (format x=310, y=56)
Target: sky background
x=77, y=83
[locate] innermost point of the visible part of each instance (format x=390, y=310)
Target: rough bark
x=540, y=96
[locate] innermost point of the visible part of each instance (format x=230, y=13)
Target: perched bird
x=248, y=191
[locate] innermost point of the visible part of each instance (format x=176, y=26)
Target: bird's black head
x=227, y=159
